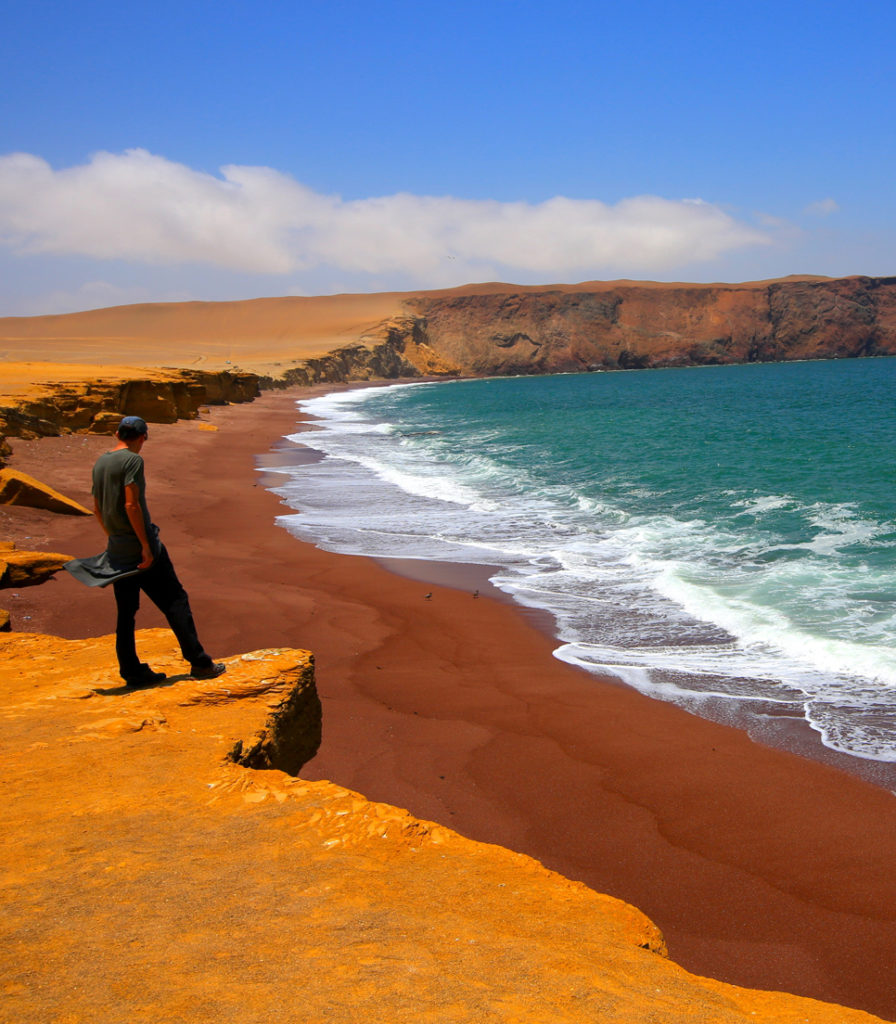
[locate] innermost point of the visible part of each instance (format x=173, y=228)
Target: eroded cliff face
x=397, y=347
x=631, y=326
x=493, y=330
x=48, y=407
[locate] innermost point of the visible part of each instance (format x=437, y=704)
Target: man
x=136, y=560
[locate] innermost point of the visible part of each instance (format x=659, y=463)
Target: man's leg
x=127, y=601
x=163, y=588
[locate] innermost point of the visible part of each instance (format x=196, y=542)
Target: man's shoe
x=207, y=671
x=146, y=677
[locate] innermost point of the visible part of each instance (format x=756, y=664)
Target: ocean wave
x=747, y=592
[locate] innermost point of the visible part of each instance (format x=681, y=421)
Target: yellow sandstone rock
x=149, y=874
x=18, y=488
x=23, y=568
x=40, y=399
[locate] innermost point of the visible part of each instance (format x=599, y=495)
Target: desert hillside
x=483, y=329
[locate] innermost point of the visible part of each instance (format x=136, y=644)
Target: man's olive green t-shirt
x=112, y=472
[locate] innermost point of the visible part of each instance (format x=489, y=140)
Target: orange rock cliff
x=164, y=861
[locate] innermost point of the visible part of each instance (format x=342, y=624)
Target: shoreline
x=761, y=867
x=762, y=721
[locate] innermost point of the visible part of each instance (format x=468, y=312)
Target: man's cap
x=134, y=423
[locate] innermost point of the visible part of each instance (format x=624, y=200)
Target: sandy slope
x=257, y=334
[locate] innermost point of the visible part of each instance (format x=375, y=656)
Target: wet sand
x=761, y=867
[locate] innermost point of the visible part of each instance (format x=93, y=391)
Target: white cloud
x=142, y=208
x=823, y=208
x=769, y=220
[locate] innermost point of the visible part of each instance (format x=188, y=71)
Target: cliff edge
x=163, y=862
x=631, y=325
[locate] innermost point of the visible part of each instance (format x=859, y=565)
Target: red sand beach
x=762, y=868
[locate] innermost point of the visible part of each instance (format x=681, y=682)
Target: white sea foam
x=766, y=503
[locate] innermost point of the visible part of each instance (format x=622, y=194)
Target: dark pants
x=163, y=588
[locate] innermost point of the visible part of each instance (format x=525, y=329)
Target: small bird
x=428, y=596
x=475, y=593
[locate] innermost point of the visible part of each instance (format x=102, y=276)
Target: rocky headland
x=630, y=325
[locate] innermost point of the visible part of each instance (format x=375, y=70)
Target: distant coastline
x=477, y=330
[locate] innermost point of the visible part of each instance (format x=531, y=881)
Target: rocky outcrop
x=501, y=330
x=152, y=877
x=49, y=408
x=395, y=348
x=20, y=489
x=26, y=568
x=96, y=405
x=291, y=731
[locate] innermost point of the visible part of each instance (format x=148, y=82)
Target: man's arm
x=99, y=516
x=135, y=518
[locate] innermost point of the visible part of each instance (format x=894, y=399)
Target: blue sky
x=196, y=150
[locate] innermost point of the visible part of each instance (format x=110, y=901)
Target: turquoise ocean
x=720, y=537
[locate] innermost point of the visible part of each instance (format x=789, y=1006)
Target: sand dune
x=256, y=334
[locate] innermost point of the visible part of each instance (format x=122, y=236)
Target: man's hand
x=146, y=559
